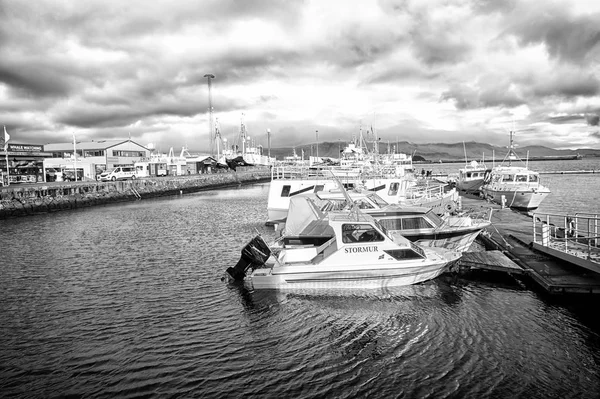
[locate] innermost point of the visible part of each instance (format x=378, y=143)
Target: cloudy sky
x=423, y=71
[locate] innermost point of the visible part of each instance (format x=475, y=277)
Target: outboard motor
x=254, y=254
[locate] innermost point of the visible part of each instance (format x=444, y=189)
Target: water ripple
x=127, y=301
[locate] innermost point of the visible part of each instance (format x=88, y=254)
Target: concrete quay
x=30, y=199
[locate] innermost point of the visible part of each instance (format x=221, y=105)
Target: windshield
x=378, y=200
x=383, y=229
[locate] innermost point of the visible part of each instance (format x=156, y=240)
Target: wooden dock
x=510, y=249
x=490, y=260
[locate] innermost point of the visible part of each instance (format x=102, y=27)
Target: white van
x=119, y=173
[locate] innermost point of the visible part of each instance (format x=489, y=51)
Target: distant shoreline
x=546, y=158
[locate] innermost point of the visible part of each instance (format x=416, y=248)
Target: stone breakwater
x=23, y=200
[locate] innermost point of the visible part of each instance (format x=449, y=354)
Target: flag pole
x=6, y=136
x=7, y=171
x=75, y=157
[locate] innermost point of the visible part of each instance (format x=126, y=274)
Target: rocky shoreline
x=25, y=200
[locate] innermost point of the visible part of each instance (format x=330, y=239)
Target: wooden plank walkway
x=490, y=260
x=511, y=233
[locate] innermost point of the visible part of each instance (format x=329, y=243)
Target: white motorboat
x=345, y=249
x=288, y=181
x=514, y=186
x=471, y=177
x=418, y=224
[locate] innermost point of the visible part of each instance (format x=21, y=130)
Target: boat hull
x=469, y=185
x=526, y=200
x=367, y=276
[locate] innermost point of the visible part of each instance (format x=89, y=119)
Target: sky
x=423, y=71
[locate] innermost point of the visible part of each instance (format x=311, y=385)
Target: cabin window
x=522, y=178
x=468, y=174
x=415, y=223
x=378, y=200
x=508, y=178
x=285, y=191
x=393, y=188
x=319, y=187
x=391, y=224
x=400, y=254
x=533, y=178
x=360, y=233
x=362, y=204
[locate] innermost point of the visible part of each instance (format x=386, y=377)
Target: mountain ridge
x=436, y=151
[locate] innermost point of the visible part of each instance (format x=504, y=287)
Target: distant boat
x=514, y=186
x=471, y=177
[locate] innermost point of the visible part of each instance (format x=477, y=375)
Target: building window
x=130, y=154
x=94, y=153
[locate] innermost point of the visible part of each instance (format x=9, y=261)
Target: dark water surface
x=127, y=301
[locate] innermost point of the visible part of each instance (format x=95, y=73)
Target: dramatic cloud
x=422, y=71
x=592, y=120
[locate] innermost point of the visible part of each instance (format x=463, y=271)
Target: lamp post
x=317, y=132
x=269, y=142
x=210, y=76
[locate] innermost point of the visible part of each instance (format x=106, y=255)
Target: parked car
x=119, y=173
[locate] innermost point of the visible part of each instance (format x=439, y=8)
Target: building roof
x=88, y=145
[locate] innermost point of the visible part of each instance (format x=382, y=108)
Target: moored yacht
x=514, y=186
x=418, y=224
x=289, y=181
x=471, y=177
x=346, y=249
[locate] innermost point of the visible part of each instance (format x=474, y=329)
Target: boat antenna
x=465, y=150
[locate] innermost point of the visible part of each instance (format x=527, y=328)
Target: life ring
x=449, y=207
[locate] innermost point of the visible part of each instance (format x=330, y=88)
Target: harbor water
x=127, y=300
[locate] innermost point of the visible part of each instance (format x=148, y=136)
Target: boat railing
x=577, y=234
x=299, y=172
x=428, y=191
x=327, y=172
x=470, y=216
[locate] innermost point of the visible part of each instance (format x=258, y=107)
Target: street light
x=317, y=143
x=269, y=142
x=210, y=76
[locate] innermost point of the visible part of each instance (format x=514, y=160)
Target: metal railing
x=577, y=234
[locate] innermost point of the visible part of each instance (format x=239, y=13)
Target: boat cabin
x=512, y=176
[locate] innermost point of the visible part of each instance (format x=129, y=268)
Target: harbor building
x=25, y=163
x=89, y=159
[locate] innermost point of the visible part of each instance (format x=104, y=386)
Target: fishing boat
x=421, y=225
x=471, y=177
x=342, y=249
x=514, y=186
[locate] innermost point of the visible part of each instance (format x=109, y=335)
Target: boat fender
x=449, y=207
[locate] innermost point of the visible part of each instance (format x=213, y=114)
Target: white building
x=93, y=157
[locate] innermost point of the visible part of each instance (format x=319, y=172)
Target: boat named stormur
x=346, y=249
